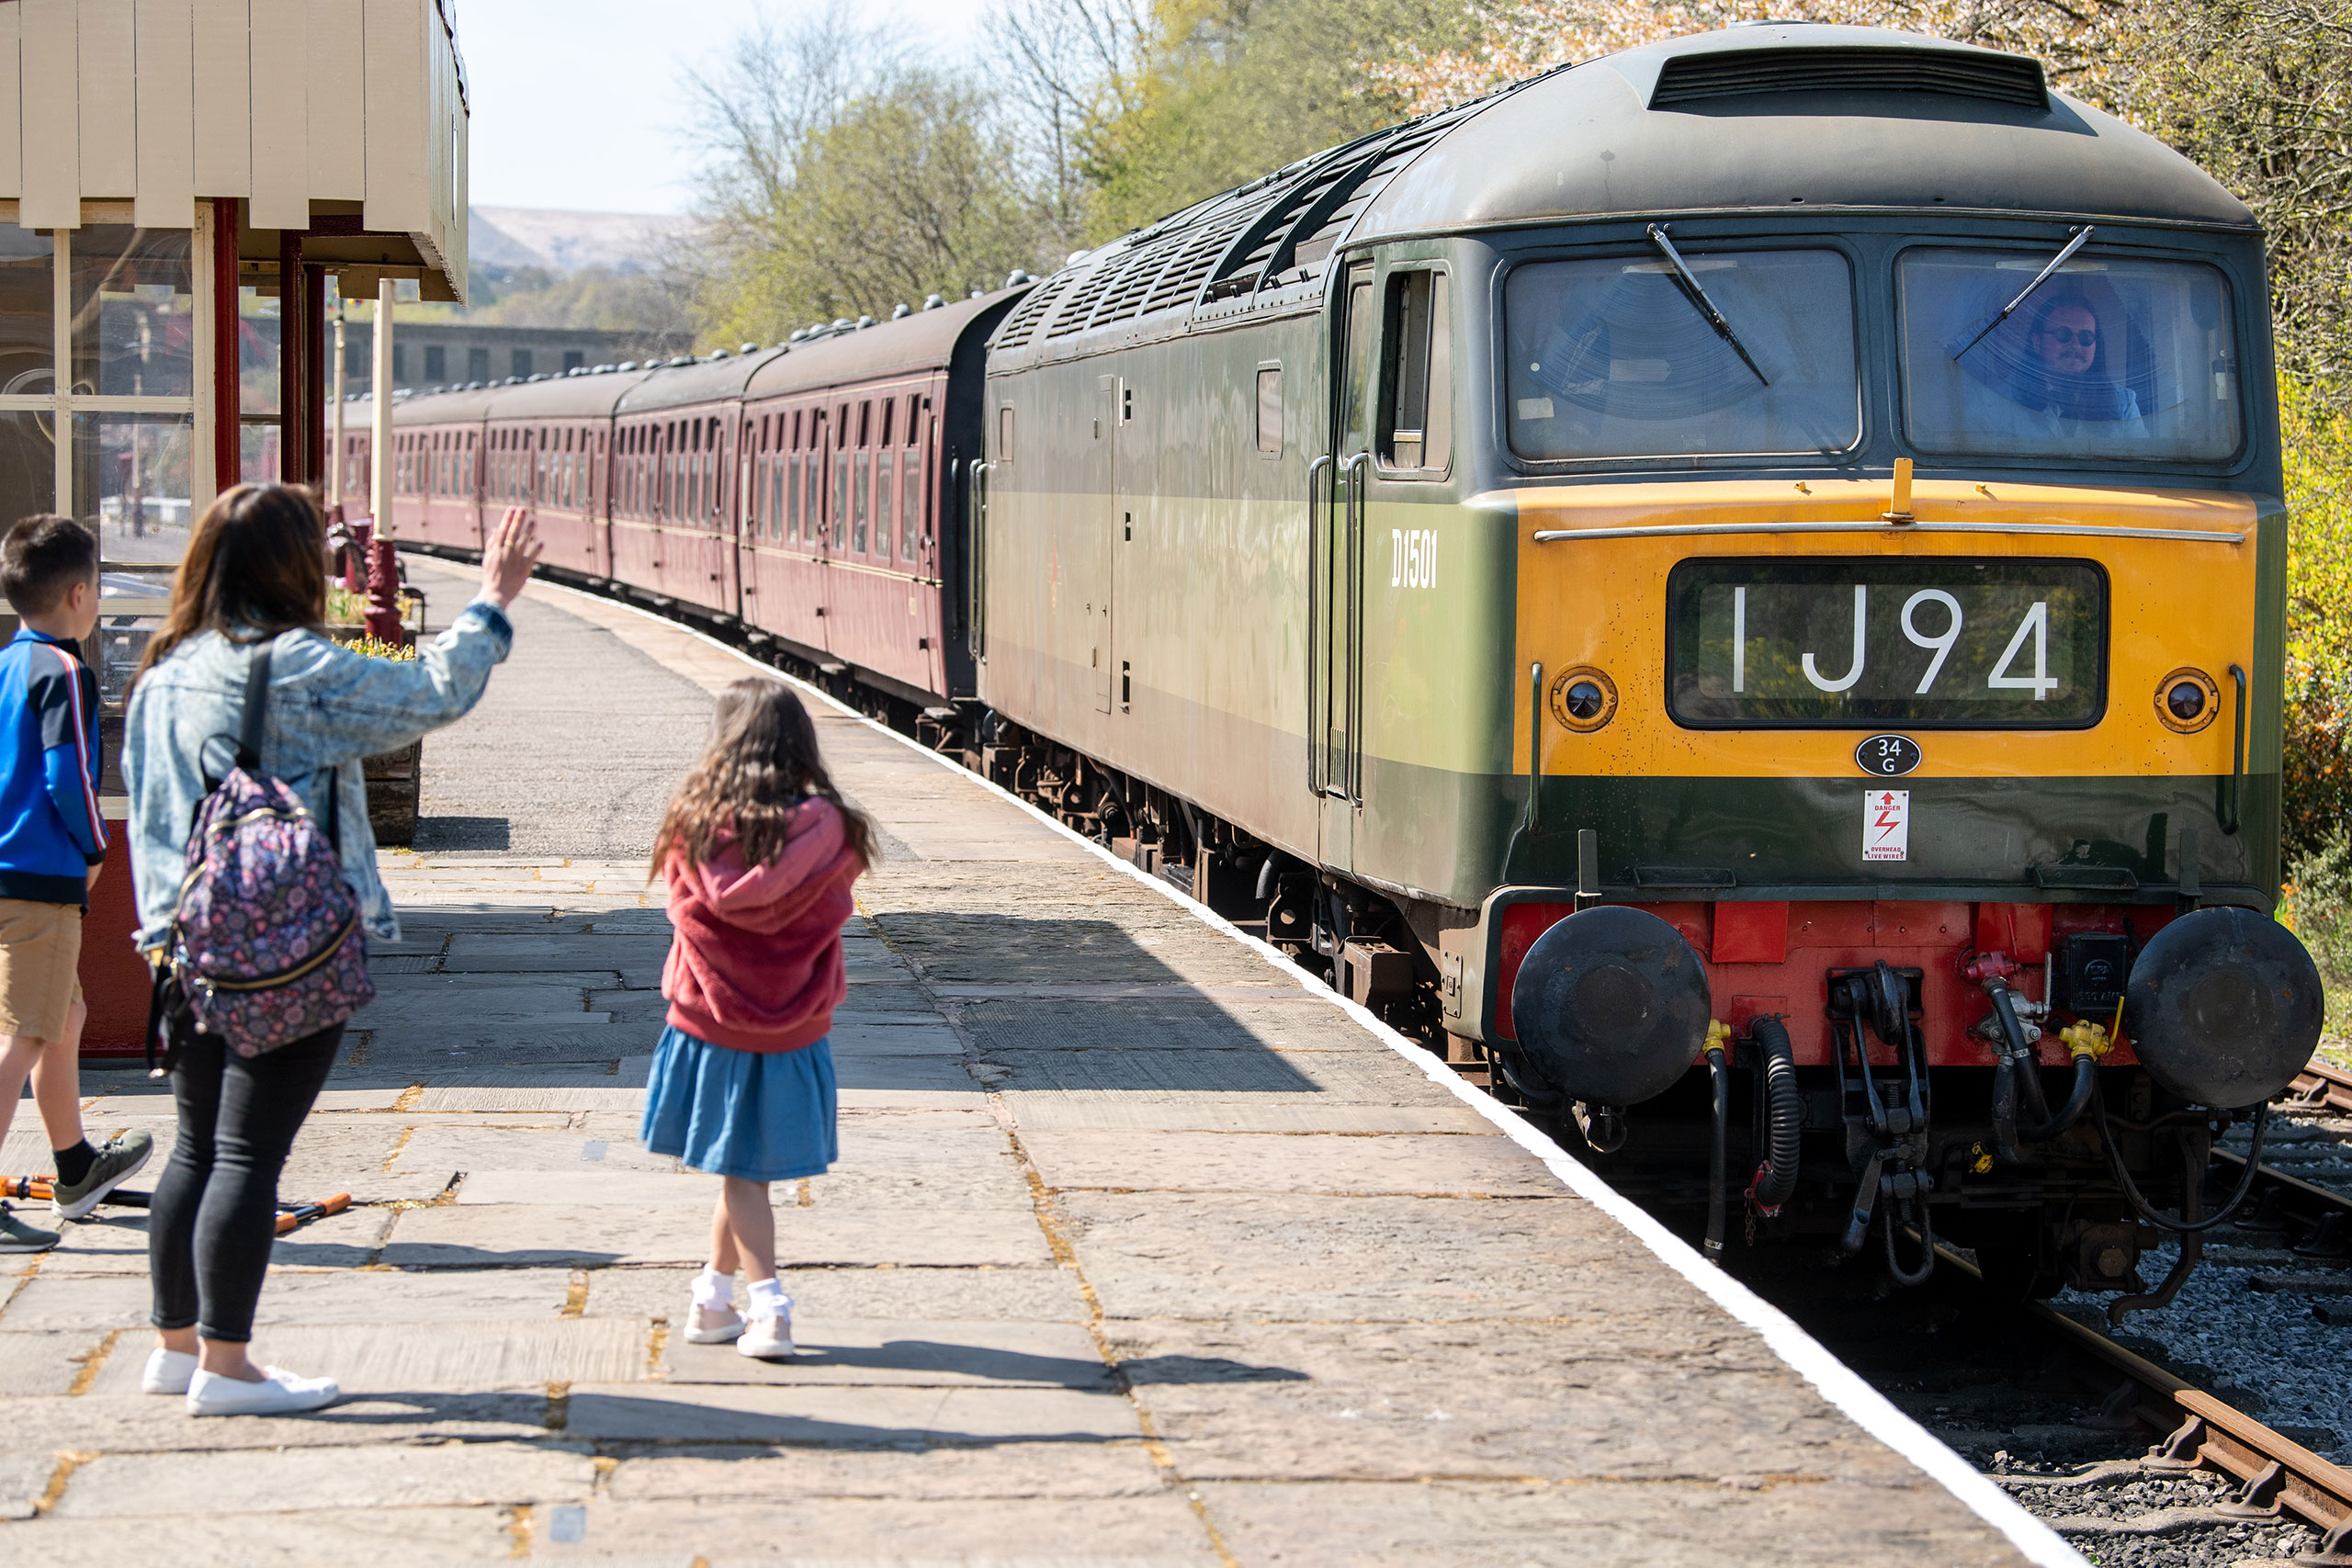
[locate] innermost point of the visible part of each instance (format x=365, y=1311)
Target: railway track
x=2135, y=1444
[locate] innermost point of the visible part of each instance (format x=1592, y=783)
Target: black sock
x=74, y=1164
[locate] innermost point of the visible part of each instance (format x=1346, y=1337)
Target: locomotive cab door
x=1335, y=569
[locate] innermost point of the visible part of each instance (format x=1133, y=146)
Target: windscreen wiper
x=2077, y=243
x=1700, y=302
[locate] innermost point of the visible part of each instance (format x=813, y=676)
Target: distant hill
x=566, y=242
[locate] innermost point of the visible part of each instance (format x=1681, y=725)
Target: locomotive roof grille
x=1726, y=74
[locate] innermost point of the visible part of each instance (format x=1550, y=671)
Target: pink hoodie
x=756, y=962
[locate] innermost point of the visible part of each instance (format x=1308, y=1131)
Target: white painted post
x=335, y=459
x=379, y=450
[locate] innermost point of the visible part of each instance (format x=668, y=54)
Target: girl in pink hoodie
x=759, y=850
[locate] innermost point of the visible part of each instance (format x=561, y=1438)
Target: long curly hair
x=762, y=766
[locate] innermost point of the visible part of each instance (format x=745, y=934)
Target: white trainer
x=167, y=1371
x=279, y=1393
x=711, y=1317
x=767, y=1328
x=699, y=1332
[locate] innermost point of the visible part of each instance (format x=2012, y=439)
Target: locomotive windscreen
x=2006, y=644
x=2108, y=358
x=1612, y=357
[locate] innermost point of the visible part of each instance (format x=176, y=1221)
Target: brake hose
x=2139, y=1204
x=2028, y=1070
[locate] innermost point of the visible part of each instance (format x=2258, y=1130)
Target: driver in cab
x=2064, y=372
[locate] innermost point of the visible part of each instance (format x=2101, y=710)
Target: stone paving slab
x=1137, y=1252
x=388, y=1475
x=392, y=1359
x=826, y=1532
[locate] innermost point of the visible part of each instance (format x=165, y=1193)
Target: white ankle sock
x=713, y=1289
x=768, y=1297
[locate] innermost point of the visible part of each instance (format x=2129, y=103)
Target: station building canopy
x=344, y=121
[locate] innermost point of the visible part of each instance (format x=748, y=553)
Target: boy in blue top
x=51, y=841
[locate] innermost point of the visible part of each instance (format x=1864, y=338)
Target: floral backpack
x=267, y=945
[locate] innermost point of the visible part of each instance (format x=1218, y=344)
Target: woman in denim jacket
x=256, y=571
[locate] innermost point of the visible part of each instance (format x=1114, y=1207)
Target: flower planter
x=393, y=781
x=394, y=778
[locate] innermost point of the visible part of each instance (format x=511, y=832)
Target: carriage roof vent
x=1954, y=73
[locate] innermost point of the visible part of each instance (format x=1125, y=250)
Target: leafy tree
x=1219, y=92
x=847, y=180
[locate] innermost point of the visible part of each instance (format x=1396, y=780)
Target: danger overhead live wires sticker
x=1887, y=824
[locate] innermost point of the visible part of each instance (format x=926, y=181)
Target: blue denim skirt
x=759, y=1115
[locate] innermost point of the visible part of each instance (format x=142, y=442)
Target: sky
x=578, y=104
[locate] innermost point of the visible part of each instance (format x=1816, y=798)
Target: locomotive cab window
x=1417, y=417
x=2108, y=358
x=1617, y=356
x=1941, y=642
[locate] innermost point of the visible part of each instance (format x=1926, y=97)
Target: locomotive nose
x=2223, y=1007
x=1611, y=1005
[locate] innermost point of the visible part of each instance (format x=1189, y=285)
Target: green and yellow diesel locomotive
x=1741, y=583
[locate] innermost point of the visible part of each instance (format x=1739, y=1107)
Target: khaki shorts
x=40, y=951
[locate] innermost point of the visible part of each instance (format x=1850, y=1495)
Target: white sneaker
x=699, y=1333
x=767, y=1331
x=168, y=1372
x=279, y=1393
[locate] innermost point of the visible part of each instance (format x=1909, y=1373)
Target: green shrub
x=2318, y=760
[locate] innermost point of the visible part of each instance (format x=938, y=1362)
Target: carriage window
x=1610, y=357
x=837, y=516
x=910, y=500
x=2133, y=359
x=886, y=490
x=864, y=478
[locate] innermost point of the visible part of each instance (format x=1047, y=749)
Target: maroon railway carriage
x=437, y=469
x=547, y=445
x=674, y=489
x=813, y=494
x=855, y=448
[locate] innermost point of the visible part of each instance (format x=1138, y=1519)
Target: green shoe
x=17, y=1236
x=118, y=1160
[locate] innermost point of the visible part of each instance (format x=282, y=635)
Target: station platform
x=1141, y=1250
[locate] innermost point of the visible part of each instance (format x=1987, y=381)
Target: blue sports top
x=50, y=831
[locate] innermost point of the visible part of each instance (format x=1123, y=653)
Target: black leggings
x=214, y=1217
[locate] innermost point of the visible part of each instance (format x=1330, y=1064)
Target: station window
x=437, y=363
x=521, y=360
x=1417, y=428
x=574, y=359
x=125, y=330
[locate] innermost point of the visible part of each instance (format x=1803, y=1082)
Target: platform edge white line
x=1804, y=1355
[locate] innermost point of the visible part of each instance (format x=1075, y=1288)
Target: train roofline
x=1804, y=115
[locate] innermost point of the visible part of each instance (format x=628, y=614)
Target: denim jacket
x=328, y=708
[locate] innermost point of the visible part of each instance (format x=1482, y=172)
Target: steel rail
x=2319, y=1086
x=2275, y=1474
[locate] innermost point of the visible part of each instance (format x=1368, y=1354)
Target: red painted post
x=384, y=592
x=293, y=378
x=314, y=375
x=228, y=397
